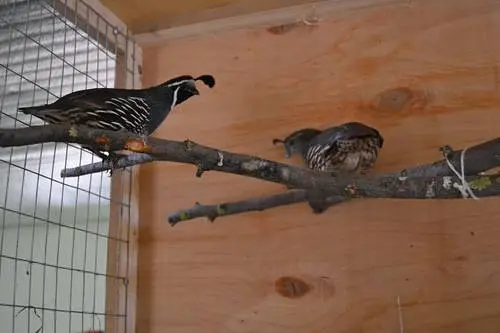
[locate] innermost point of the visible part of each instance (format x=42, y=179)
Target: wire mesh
x=54, y=232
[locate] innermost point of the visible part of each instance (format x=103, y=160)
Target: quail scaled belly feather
x=140, y=111
x=351, y=147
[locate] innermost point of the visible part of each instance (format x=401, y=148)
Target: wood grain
x=425, y=74
x=150, y=15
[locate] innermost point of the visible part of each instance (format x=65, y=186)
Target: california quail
x=348, y=148
x=140, y=111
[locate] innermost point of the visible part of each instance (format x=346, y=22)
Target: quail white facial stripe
x=174, y=84
x=174, y=100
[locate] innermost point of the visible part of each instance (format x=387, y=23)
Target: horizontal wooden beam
x=299, y=13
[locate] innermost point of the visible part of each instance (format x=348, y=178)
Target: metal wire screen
x=54, y=232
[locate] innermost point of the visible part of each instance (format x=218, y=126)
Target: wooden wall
x=151, y=15
x=426, y=74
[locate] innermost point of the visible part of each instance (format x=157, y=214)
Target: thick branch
x=478, y=159
x=188, y=152
x=319, y=185
x=206, y=158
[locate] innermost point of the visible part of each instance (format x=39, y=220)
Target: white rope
x=464, y=189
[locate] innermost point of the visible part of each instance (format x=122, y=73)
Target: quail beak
x=287, y=149
x=192, y=88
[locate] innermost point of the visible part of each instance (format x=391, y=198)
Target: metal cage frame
x=112, y=35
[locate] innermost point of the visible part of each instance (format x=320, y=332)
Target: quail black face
x=185, y=87
x=297, y=141
x=185, y=91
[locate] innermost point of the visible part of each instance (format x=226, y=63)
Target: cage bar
x=64, y=243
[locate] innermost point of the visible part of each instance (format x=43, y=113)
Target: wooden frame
x=122, y=257
x=122, y=260
x=276, y=17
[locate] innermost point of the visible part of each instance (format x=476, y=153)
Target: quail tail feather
x=33, y=109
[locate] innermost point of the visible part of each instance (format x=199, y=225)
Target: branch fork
x=437, y=180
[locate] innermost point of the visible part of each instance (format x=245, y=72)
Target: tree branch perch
x=187, y=152
x=237, y=207
x=477, y=159
x=432, y=181
x=446, y=187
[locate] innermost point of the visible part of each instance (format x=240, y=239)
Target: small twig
x=124, y=162
x=380, y=187
x=230, y=208
x=248, y=205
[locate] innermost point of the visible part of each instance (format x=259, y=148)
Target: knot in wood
x=291, y=287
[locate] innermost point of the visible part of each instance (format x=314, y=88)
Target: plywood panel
x=150, y=15
x=425, y=74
